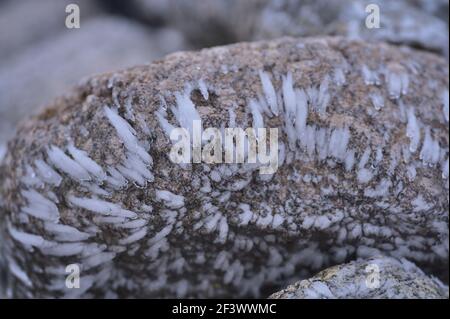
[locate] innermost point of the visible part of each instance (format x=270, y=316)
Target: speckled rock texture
x=374, y=278
x=32, y=78
x=417, y=23
x=363, y=171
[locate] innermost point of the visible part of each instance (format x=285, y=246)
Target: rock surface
x=363, y=154
x=37, y=75
x=374, y=278
x=410, y=22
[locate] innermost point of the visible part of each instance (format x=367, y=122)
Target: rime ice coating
x=363, y=171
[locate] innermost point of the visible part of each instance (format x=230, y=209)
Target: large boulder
x=363, y=170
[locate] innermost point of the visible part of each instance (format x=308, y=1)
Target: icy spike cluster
x=363, y=171
x=373, y=278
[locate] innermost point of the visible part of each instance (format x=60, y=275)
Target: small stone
x=373, y=278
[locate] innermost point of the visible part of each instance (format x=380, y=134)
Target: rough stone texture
x=39, y=74
x=366, y=174
x=374, y=278
x=215, y=22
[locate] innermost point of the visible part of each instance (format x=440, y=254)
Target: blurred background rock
x=40, y=58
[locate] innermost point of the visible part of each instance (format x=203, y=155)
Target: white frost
x=63, y=162
x=269, y=92
x=101, y=207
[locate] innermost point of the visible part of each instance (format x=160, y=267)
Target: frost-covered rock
x=40, y=73
x=373, y=278
x=363, y=170
x=409, y=22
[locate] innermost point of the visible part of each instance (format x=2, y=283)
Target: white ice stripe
x=2, y=151
x=339, y=76
x=129, y=112
x=381, y=190
x=322, y=142
x=398, y=84
x=289, y=95
x=63, y=162
x=349, y=160
x=263, y=106
x=109, y=220
x=232, y=117
x=133, y=162
x=319, y=98
x=87, y=163
x=95, y=189
x=31, y=179
x=203, y=89
x=413, y=131
x=269, y=92
x=289, y=109
x=136, y=236
x=324, y=96
x=40, y=207
x=377, y=101
x=364, y=175
x=258, y=121
x=47, y=173
x=92, y=249
x=116, y=179
x=339, y=142
x=430, y=149
x=309, y=140
x=132, y=175
x=63, y=249
x=101, y=207
x=445, y=103
x=127, y=134
x=170, y=199
x=185, y=111
x=364, y=158
x=19, y=273
x=133, y=224
x=160, y=235
x=301, y=113
x=165, y=125
x=66, y=233
x=370, y=77
x=97, y=259
x=445, y=169
x=223, y=230
x=28, y=239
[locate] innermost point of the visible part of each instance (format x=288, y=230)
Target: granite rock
x=374, y=278
x=363, y=170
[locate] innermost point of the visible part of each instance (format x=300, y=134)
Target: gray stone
x=374, y=278
x=410, y=22
x=39, y=74
x=28, y=22
x=363, y=154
